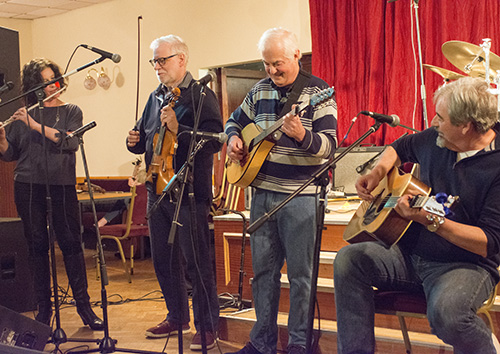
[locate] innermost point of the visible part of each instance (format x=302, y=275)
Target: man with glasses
x=170, y=58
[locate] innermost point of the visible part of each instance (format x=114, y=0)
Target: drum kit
x=473, y=60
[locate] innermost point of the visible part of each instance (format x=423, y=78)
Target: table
x=99, y=198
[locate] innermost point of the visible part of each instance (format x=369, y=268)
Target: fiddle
x=164, y=144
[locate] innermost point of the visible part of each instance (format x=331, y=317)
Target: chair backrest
x=140, y=205
x=130, y=210
x=229, y=195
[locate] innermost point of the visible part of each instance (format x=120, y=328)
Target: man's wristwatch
x=436, y=222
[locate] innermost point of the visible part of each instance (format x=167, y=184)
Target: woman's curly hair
x=31, y=77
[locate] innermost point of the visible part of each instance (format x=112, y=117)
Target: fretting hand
x=292, y=126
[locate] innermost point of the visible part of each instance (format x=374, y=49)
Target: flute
x=12, y=119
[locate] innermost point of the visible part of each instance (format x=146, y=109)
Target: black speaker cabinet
x=16, y=285
x=21, y=334
x=7, y=349
x=9, y=71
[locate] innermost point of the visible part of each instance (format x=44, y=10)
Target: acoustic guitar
x=377, y=220
x=259, y=143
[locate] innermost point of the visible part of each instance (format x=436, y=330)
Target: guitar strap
x=299, y=84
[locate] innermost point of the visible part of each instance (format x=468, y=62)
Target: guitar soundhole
x=375, y=208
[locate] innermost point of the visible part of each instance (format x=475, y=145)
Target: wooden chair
x=134, y=226
x=405, y=304
x=228, y=196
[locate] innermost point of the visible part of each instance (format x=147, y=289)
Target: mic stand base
x=240, y=304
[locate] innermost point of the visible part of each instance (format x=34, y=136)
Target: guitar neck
x=417, y=201
x=277, y=125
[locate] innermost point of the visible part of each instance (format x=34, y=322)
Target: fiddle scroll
x=164, y=142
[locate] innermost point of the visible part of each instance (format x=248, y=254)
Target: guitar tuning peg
x=441, y=197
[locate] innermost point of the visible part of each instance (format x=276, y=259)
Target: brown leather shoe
x=165, y=329
x=196, y=342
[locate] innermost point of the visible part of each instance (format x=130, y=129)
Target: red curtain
x=364, y=49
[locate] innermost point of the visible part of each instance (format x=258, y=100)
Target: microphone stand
x=422, y=86
x=423, y=93
x=106, y=344
x=239, y=304
x=41, y=86
x=320, y=215
x=188, y=180
x=185, y=178
x=58, y=335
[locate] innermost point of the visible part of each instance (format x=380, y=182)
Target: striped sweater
x=290, y=163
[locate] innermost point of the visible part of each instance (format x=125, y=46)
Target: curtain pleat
x=364, y=49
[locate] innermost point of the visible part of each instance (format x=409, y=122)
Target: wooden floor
x=133, y=308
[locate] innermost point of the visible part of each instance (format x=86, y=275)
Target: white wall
x=217, y=32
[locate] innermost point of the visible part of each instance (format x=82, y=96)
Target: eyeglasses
x=161, y=61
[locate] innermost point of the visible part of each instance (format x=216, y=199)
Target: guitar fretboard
x=391, y=201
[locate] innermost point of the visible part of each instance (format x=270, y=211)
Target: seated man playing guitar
x=453, y=260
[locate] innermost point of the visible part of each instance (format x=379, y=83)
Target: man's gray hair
x=280, y=35
x=469, y=100
x=176, y=42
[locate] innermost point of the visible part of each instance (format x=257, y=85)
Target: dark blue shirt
x=475, y=179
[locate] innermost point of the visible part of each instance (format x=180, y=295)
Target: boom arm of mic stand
x=45, y=84
x=258, y=223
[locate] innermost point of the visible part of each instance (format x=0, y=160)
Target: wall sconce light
x=103, y=80
x=89, y=83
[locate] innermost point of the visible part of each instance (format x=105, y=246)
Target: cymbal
x=470, y=58
x=444, y=73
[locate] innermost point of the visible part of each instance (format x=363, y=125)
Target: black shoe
x=247, y=349
x=89, y=317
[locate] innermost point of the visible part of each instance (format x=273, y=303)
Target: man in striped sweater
x=305, y=142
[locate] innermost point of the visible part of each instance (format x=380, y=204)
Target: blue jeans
x=289, y=234
x=170, y=265
x=454, y=292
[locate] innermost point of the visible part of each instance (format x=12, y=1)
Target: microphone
x=9, y=85
x=206, y=79
x=220, y=137
x=115, y=57
x=392, y=120
x=82, y=130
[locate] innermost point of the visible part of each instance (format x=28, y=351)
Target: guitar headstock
x=137, y=165
x=322, y=96
x=441, y=204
